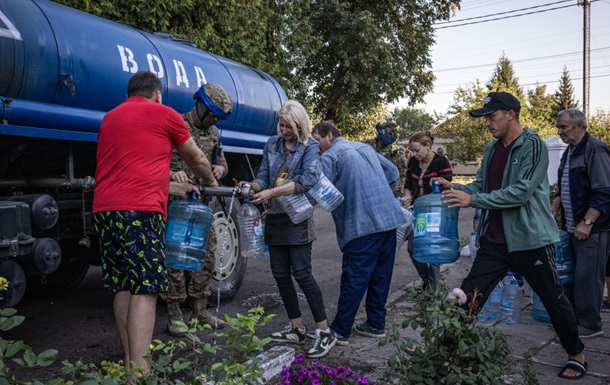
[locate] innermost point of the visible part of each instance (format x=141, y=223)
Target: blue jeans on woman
x=295, y=260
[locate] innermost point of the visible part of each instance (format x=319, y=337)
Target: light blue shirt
x=366, y=180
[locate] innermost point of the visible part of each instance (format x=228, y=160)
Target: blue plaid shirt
x=366, y=180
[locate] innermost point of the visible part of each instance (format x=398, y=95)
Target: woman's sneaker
x=324, y=341
x=366, y=330
x=290, y=335
x=341, y=341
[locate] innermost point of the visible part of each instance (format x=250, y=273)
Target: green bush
x=454, y=349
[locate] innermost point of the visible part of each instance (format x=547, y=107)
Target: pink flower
x=457, y=295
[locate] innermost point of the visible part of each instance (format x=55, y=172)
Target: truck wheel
x=70, y=273
x=230, y=264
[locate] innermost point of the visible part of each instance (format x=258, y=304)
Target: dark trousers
x=587, y=292
x=295, y=260
x=538, y=268
x=368, y=263
x=429, y=273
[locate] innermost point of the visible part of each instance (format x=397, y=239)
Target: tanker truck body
x=61, y=70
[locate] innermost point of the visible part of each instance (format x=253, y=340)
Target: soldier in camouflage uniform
x=401, y=161
x=212, y=103
x=387, y=133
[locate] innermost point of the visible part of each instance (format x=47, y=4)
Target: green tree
x=564, y=96
x=537, y=112
x=371, y=53
x=411, y=120
x=599, y=125
x=504, y=79
x=469, y=135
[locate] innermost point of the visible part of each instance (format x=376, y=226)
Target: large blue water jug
x=186, y=235
x=564, y=259
x=436, y=229
x=539, y=312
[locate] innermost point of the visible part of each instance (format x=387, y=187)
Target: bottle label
x=258, y=227
x=428, y=224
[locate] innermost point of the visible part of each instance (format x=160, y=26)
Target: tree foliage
x=599, y=125
x=564, y=95
x=411, y=120
x=372, y=53
x=469, y=135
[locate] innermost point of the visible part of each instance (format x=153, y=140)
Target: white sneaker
x=325, y=340
x=290, y=335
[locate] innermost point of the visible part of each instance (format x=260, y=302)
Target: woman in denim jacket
x=291, y=165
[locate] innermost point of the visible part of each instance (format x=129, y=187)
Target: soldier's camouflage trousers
x=198, y=286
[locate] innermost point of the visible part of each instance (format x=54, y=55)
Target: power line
x=502, y=13
x=519, y=60
x=528, y=84
x=506, y=17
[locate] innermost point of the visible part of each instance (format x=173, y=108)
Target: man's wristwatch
x=588, y=222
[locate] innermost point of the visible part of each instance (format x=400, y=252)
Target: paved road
x=80, y=325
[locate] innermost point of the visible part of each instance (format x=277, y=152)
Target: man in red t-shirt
x=130, y=205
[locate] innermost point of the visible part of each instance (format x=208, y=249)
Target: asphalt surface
x=80, y=325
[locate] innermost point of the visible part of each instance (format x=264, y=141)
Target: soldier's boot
x=204, y=316
x=175, y=315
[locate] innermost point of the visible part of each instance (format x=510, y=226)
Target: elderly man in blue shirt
x=366, y=223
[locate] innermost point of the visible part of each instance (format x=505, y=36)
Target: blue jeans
x=295, y=260
x=368, y=263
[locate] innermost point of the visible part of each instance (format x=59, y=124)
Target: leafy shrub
x=454, y=349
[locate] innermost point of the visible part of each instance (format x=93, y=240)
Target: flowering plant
x=315, y=373
x=453, y=349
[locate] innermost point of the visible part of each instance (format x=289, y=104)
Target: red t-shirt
x=133, y=152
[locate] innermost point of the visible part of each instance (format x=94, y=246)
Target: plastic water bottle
x=564, y=259
x=186, y=235
x=436, y=229
x=472, y=245
x=251, y=231
x=491, y=310
x=297, y=207
x=512, y=297
x=326, y=194
x=538, y=310
x=403, y=231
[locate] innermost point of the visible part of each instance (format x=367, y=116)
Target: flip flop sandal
x=574, y=365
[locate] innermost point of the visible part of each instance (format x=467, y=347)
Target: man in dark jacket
x=584, y=194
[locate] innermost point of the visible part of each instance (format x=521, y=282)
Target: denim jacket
x=303, y=163
x=366, y=180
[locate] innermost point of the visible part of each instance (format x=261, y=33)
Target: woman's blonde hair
x=295, y=114
x=423, y=137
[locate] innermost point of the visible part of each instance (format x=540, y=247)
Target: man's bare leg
x=121, y=309
x=140, y=326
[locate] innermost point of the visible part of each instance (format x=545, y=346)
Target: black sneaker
x=290, y=335
x=606, y=306
x=365, y=330
x=325, y=340
x=341, y=341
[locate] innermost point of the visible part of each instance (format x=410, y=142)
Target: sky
x=539, y=45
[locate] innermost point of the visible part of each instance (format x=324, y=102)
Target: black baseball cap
x=497, y=101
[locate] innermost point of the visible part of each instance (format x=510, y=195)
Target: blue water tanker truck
x=61, y=70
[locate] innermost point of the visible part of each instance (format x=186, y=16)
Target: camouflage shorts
x=133, y=251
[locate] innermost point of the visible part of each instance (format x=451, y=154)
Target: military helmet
x=387, y=131
x=216, y=99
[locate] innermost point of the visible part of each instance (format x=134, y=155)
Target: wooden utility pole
x=586, y=4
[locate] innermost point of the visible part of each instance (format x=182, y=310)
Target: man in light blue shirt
x=366, y=223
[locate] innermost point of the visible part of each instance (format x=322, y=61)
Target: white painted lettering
x=127, y=59
x=156, y=69
x=180, y=74
x=200, y=76
x=10, y=31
